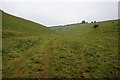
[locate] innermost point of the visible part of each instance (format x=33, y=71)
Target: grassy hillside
x=20, y=40
x=31, y=50
x=13, y=24
x=85, y=52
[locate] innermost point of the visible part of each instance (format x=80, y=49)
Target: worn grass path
x=15, y=64
x=48, y=66
x=47, y=73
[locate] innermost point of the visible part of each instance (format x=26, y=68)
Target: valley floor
x=74, y=52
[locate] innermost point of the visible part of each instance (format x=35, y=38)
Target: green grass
x=87, y=52
x=31, y=50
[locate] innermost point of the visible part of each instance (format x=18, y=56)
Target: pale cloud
x=57, y=12
x=59, y=0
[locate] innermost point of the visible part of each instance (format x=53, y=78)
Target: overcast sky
x=60, y=12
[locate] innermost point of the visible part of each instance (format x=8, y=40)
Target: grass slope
x=15, y=24
x=31, y=50
x=21, y=40
x=85, y=52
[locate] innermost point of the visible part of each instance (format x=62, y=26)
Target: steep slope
x=16, y=24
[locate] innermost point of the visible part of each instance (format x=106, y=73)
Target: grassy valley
x=31, y=50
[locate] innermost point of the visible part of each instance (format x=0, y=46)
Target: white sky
x=59, y=12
